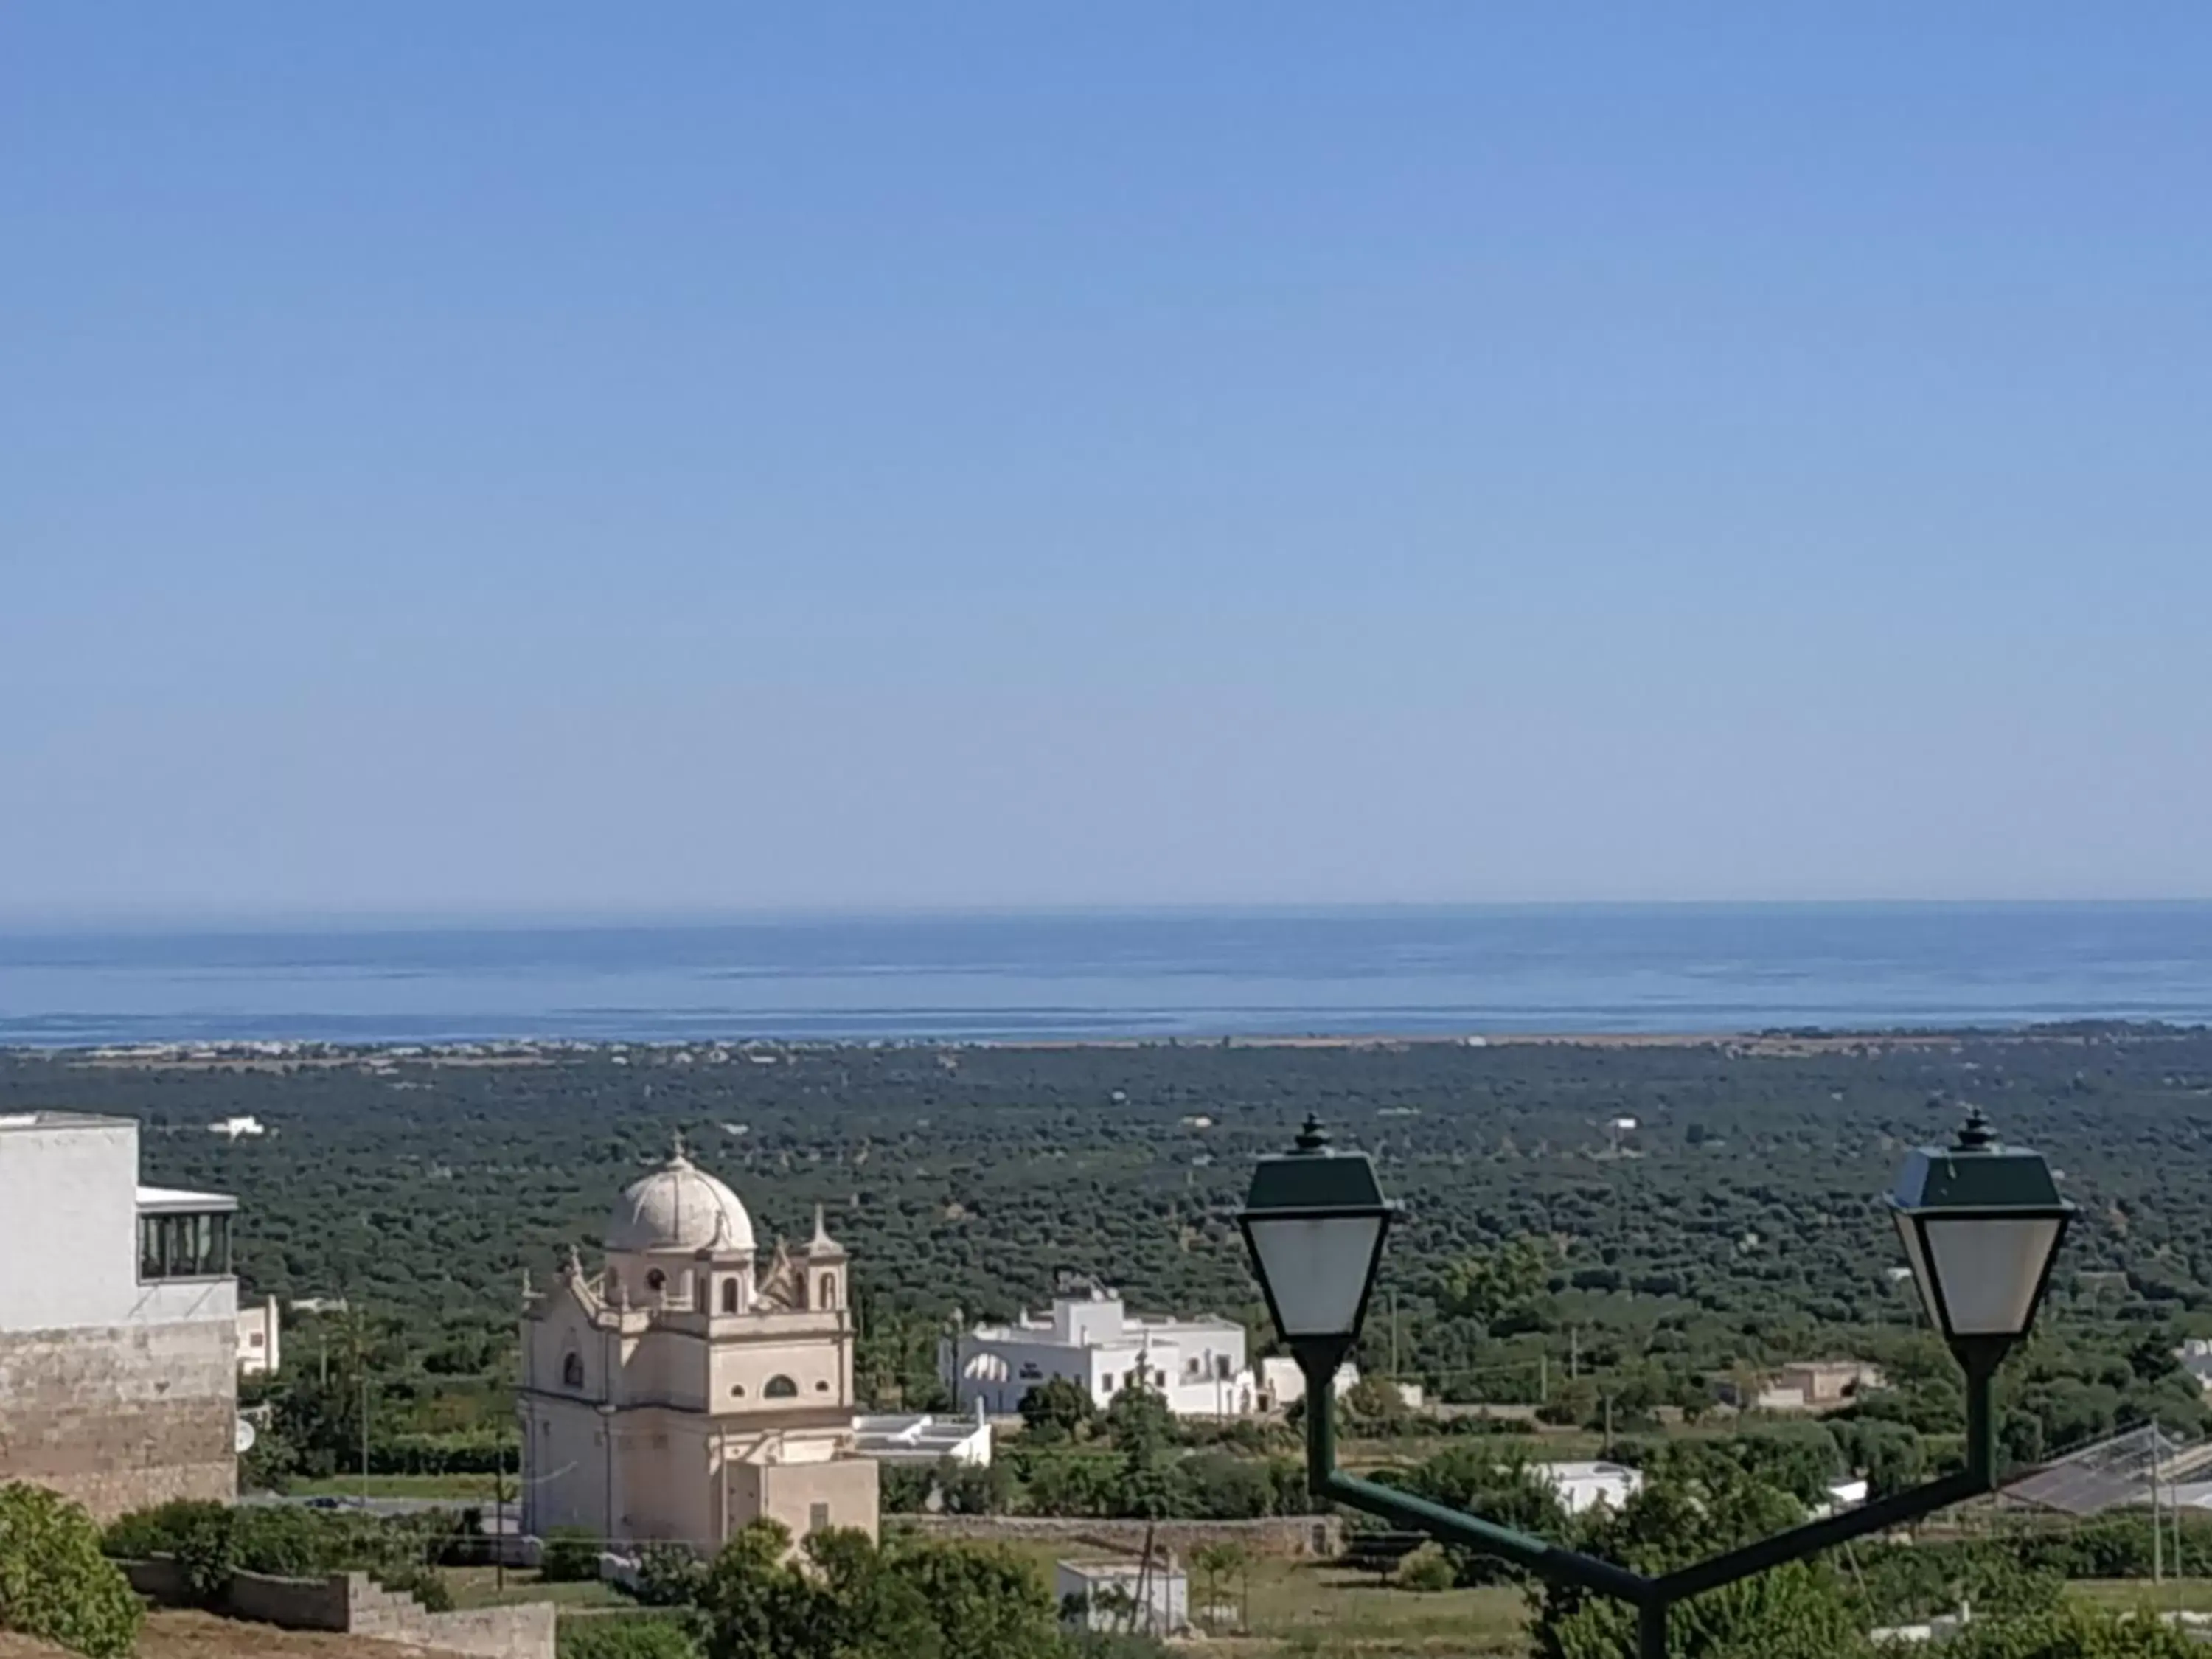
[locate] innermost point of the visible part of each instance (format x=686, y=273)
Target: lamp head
x=1314, y=1222
x=1981, y=1223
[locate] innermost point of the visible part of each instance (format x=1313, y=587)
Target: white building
x=1123, y=1595
x=260, y=1340
x=119, y=1321
x=1093, y=1341
x=925, y=1439
x=677, y=1393
x=1282, y=1384
x=1585, y=1485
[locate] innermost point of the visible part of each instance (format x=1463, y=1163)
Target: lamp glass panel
x=1317, y=1268
x=1909, y=1230
x=1990, y=1270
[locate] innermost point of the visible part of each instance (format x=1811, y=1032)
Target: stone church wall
x=120, y=1418
x=843, y=1490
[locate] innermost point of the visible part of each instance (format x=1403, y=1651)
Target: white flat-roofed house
x=1282, y=1384
x=119, y=1321
x=926, y=1438
x=1585, y=1485
x=1123, y=1596
x=1197, y=1365
x=260, y=1340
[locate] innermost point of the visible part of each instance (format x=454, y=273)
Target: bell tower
x=823, y=1263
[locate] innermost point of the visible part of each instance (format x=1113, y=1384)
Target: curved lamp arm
x=1651, y=1595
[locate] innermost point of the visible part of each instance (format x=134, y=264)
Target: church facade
x=680, y=1393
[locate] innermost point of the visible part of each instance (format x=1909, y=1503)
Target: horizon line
x=180, y=918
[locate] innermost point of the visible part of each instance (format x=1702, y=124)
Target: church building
x=678, y=1393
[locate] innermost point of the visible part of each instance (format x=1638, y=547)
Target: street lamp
x=1981, y=1223
x=1314, y=1223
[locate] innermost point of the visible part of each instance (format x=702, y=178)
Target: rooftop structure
x=925, y=1439
x=118, y=1382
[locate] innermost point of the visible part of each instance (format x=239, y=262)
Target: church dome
x=679, y=1207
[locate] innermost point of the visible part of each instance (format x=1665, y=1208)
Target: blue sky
x=533, y=457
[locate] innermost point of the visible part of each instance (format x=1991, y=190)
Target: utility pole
x=2157, y=1538
x=1394, y=1336
x=1608, y=1426
x=364, y=1441
x=1574, y=1352
x=499, y=1516
x=1543, y=1379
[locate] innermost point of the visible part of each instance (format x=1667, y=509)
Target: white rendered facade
x=1124, y=1596
x=118, y=1383
x=260, y=1340
x=1197, y=1365
x=677, y=1394
x=1582, y=1486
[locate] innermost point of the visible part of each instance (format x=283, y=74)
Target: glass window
x=184, y=1246
x=780, y=1388
x=818, y=1517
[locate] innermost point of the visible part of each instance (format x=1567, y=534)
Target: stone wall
x=525, y=1632
x=1320, y=1536
x=120, y=1418
x=353, y=1604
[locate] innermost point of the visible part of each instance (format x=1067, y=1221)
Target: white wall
x=68, y=1201
x=998, y=1371
x=265, y=1357
x=1164, y=1609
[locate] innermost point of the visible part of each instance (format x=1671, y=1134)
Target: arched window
x=656, y=1281
x=737, y=1391
x=780, y=1388
x=572, y=1371
x=730, y=1296
x=821, y=1387
x=827, y=1298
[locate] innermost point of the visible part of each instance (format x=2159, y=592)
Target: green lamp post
x=1981, y=1223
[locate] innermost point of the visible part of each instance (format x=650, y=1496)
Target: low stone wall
x=1318, y=1536
x=353, y=1604
x=525, y=1632
x=293, y=1603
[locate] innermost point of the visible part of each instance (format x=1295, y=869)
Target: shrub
x=626, y=1636
x=199, y=1534
x=669, y=1576
x=54, y=1582
x=572, y=1556
x=1426, y=1569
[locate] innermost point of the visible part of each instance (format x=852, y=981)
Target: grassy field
x=1310, y=1609
x=480, y=1587
x=2174, y=1595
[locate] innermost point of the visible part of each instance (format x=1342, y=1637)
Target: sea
x=1189, y=975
